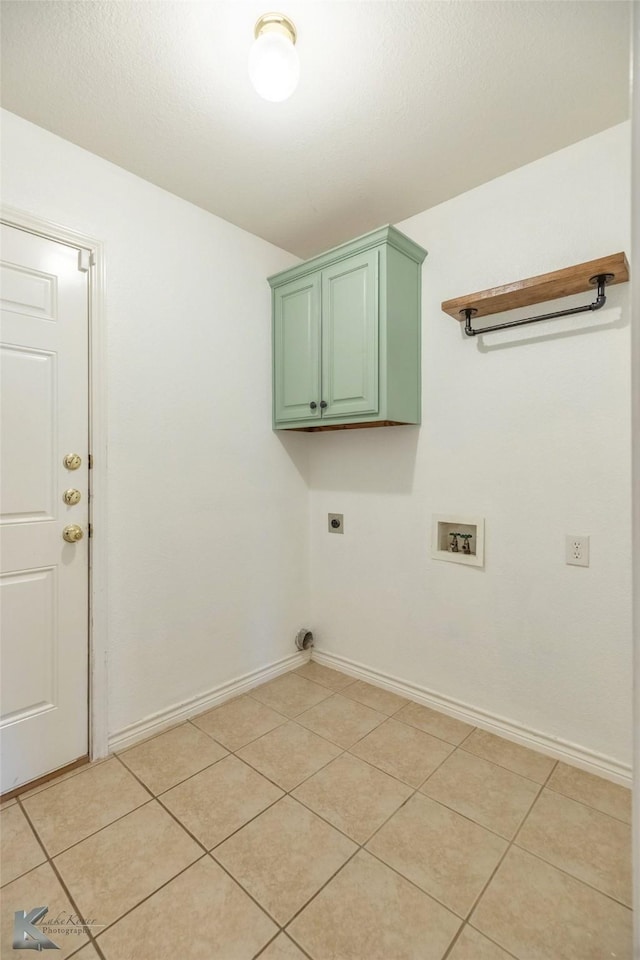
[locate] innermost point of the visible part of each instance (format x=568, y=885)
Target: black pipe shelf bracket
x=550, y=286
x=602, y=279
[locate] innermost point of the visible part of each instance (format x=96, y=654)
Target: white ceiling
x=400, y=106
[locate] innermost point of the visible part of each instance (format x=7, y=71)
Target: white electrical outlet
x=577, y=551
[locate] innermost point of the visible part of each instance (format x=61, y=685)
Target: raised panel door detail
x=28, y=606
x=297, y=350
x=28, y=435
x=29, y=292
x=350, y=336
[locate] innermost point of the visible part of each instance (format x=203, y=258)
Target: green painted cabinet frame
x=346, y=336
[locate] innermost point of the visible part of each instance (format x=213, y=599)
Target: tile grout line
x=267, y=945
x=62, y=883
x=495, y=763
x=513, y=840
x=572, y=876
x=515, y=843
x=459, y=932
x=464, y=816
x=332, y=743
x=417, y=790
x=147, y=803
x=207, y=853
x=92, y=834
x=232, y=834
x=359, y=846
x=76, y=843
x=344, y=750
x=392, y=814
x=582, y=803
x=288, y=793
x=491, y=940
x=466, y=925
x=318, y=892
x=135, y=906
x=285, y=721
x=507, y=849
x=179, y=782
x=362, y=846
x=485, y=886
x=287, y=936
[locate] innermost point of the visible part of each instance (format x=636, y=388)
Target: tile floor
x=325, y=818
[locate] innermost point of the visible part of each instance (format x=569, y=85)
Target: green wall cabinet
x=346, y=336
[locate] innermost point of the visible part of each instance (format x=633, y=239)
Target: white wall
x=534, y=435
x=207, y=511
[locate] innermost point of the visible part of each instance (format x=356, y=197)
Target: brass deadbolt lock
x=71, y=497
x=72, y=461
x=72, y=533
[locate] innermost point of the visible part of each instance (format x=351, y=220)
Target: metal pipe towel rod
x=601, y=280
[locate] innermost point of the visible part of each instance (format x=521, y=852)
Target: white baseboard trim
x=170, y=717
x=571, y=753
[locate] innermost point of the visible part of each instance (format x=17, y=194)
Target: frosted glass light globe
x=274, y=67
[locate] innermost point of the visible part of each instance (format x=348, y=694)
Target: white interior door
x=43, y=579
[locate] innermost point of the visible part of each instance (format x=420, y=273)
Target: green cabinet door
x=346, y=336
x=350, y=336
x=296, y=350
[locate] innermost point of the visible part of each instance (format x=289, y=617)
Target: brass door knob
x=72, y=461
x=71, y=497
x=72, y=533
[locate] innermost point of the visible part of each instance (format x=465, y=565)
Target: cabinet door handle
x=323, y=404
x=313, y=404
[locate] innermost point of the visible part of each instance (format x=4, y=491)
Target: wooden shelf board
x=548, y=286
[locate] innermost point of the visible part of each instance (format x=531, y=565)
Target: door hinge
x=90, y=461
x=89, y=530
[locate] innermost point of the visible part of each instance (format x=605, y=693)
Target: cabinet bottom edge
x=352, y=426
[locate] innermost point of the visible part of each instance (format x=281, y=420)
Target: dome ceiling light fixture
x=274, y=67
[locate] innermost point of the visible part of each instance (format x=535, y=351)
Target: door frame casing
x=97, y=627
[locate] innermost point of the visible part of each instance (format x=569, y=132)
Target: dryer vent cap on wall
x=304, y=639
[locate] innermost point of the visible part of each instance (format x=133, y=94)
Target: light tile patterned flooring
x=322, y=817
